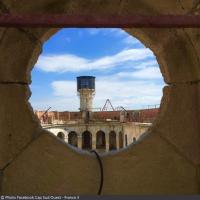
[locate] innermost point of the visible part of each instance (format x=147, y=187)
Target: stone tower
x=86, y=91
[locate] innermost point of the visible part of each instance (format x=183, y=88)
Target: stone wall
x=142, y=115
x=128, y=131
x=165, y=162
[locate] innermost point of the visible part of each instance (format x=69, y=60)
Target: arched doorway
x=126, y=140
x=72, y=138
x=87, y=140
x=101, y=140
x=120, y=140
x=112, y=141
x=61, y=135
x=134, y=139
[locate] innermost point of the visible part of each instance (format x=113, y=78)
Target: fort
x=100, y=130
x=165, y=162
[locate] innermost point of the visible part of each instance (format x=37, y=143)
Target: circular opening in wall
x=96, y=88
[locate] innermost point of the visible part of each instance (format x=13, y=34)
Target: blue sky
x=126, y=71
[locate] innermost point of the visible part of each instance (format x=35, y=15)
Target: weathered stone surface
x=121, y=6
x=160, y=164
x=193, y=35
x=41, y=34
x=51, y=6
x=18, y=54
x=2, y=30
x=149, y=167
x=179, y=119
x=180, y=58
x=18, y=125
x=50, y=167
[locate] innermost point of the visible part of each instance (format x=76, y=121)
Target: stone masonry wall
x=165, y=162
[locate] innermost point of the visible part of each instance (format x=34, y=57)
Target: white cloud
x=94, y=31
x=64, y=88
x=73, y=63
x=61, y=63
x=130, y=40
x=116, y=32
x=145, y=73
x=107, y=31
x=129, y=94
x=145, y=64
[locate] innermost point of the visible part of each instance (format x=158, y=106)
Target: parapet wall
x=143, y=115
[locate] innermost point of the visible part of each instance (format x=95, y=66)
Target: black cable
x=101, y=170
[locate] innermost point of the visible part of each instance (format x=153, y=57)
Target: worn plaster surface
x=165, y=162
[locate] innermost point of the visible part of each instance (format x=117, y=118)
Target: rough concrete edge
x=33, y=39
x=192, y=44
x=164, y=106
x=37, y=41
x=162, y=113
x=37, y=46
x=29, y=35
x=38, y=131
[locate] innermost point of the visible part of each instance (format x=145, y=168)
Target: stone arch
x=86, y=140
x=126, y=140
x=73, y=138
x=120, y=140
x=169, y=58
x=112, y=140
x=100, y=140
x=134, y=139
x=178, y=55
x=61, y=135
x=173, y=43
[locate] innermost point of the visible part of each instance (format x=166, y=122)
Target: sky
x=126, y=71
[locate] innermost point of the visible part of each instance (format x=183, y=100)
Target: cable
x=101, y=170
